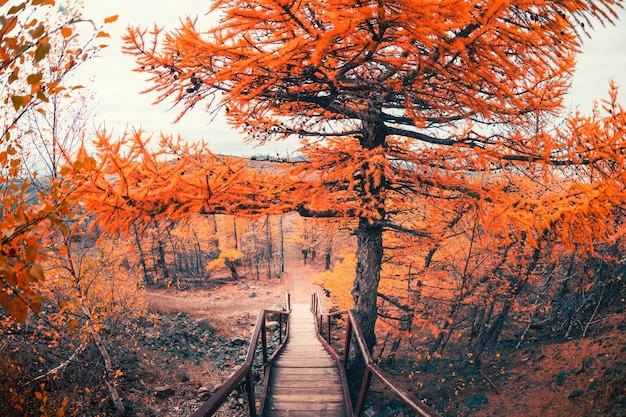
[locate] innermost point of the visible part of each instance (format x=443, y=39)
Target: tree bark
x=142, y=258
x=282, y=245
x=369, y=256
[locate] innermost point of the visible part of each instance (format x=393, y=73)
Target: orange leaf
x=17, y=101
x=66, y=32
x=41, y=51
x=111, y=19
x=34, y=78
x=72, y=325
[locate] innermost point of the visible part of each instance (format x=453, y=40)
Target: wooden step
x=304, y=379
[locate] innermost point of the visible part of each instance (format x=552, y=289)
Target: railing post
x=328, y=331
x=250, y=392
x=365, y=387
x=346, y=352
x=264, y=340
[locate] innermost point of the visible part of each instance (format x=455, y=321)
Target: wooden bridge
x=305, y=376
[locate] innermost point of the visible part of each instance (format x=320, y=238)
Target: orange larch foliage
x=127, y=185
x=393, y=101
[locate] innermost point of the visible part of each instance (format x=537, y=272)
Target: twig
x=489, y=381
x=60, y=366
x=594, y=312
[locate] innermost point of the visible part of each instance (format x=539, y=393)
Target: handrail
x=219, y=397
x=371, y=369
x=316, y=307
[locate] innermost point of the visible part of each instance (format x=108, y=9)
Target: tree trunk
x=109, y=375
x=216, y=240
x=142, y=258
x=235, y=233
x=369, y=256
x=268, y=243
x=282, y=245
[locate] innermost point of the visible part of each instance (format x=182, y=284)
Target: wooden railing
x=353, y=330
x=246, y=370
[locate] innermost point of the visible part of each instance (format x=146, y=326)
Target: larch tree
x=393, y=100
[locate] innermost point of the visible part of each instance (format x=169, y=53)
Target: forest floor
x=585, y=377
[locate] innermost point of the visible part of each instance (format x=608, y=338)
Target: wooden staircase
x=304, y=380
x=306, y=377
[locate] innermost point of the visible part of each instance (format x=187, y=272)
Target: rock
x=252, y=294
x=561, y=377
x=369, y=412
x=203, y=324
x=272, y=325
x=237, y=342
x=243, y=286
x=163, y=392
x=183, y=377
x=476, y=401
x=204, y=393
x=575, y=394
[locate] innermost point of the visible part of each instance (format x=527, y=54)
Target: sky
x=120, y=106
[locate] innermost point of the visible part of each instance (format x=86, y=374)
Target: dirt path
x=244, y=296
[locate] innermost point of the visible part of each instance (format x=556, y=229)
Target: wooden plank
x=312, y=385
x=290, y=389
x=307, y=406
x=310, y=372
x=303, y=413
x=303, y=350
x=297, y=381
x=309, y=397
x=300, y=384
x=304, y=379
x=310, y=363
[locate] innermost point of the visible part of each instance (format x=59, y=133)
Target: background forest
x=475, y=226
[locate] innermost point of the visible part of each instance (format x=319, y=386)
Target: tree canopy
x=397, y=103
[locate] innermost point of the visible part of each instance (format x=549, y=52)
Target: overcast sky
x=119, y=104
